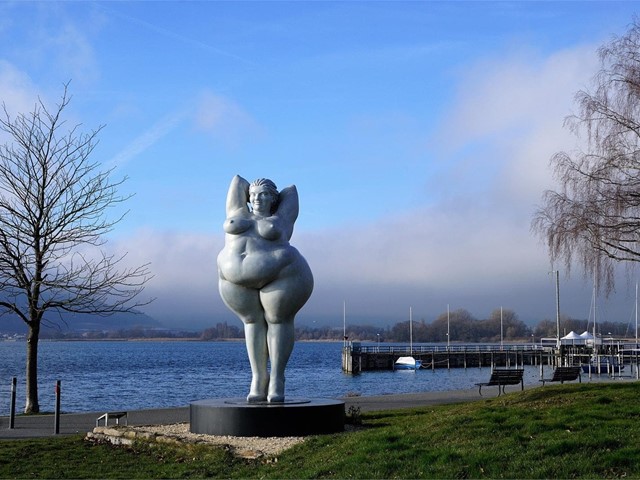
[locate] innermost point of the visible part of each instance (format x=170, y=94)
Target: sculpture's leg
x=256, y=339
x=281, y=300
x=245, y=302
x=280, y=339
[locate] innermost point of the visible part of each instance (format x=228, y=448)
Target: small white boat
x=407, y=363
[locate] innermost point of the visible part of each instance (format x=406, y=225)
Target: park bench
x=564, y=374
x=502, y=377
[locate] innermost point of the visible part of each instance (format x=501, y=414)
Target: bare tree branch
x=54, y=203
x=594, y=217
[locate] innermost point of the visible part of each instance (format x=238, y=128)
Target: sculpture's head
x=263, y=196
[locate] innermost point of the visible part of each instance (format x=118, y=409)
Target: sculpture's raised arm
x=288, y=207
x=238, y=195
x=288, y=203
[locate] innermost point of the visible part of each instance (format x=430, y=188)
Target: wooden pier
x=358, y=358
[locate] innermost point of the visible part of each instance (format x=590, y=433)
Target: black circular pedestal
x=295, y=417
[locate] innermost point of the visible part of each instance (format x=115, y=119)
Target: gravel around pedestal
x=245, y=447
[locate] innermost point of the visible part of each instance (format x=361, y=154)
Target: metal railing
x=475, y=348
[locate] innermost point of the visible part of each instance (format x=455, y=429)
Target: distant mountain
x=75, y=322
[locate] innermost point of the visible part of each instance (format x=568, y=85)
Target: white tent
x=572, y=336
x=588, y=338
x=571, y=339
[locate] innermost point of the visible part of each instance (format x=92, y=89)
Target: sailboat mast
x=501, y=329
x=344, y=322
x=558, y=308
x=448, y=327
x=595, y=289
x=410, y=331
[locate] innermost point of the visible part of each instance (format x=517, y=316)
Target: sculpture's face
x=261, y=200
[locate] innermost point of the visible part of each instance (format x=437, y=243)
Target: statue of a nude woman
x=263, y=279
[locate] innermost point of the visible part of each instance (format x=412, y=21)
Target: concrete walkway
x=33, y=426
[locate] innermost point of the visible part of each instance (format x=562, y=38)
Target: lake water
x=107, y=376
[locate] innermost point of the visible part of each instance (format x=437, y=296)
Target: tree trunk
x=32, y=405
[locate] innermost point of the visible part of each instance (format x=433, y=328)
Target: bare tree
x=53, y=215
x=594, y=218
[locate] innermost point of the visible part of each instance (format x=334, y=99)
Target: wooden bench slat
x=564, y=374
x=503, y=377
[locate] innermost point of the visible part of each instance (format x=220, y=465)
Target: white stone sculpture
x=263, y=279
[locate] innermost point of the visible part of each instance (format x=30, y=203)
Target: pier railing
x=355, y=347
x=357, y=357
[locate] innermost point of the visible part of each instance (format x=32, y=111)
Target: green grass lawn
x=561, y=431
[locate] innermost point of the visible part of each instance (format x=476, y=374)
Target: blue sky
x=418, y=135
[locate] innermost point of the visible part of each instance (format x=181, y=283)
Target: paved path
x=33, y=426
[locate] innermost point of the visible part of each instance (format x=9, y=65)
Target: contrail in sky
x=148, y=138
x=170, y=34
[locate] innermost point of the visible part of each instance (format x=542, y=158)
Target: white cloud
x=225, y=120
x=471, y=248
x=495, y=145
x=73, y=53
x=55, y=43
x=507, y=118
x=18, y=91
x=474, y=241
x=506, y=94
x=185, y=282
